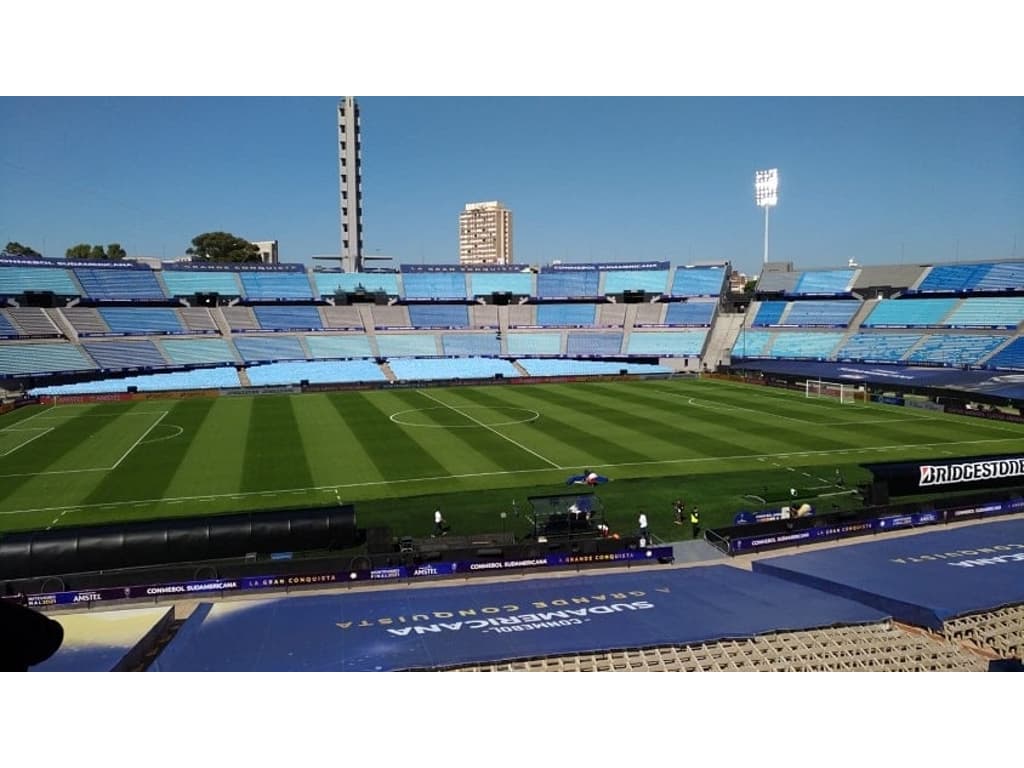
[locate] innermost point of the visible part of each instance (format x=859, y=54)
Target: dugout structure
x=567, y=517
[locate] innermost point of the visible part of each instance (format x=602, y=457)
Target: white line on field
x=492, y=429
x=143, y=437
x=44, y=431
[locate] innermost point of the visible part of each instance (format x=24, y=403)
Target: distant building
x=268, y=250
x=350, y=185
x=485, y=234
x=737, y=282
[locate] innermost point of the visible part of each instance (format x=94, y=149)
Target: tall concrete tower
x=350, y=184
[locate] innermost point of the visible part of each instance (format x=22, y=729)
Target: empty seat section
x=86, y=321
x=1003, y=277
x=438, y=315
x=814, y=346
x=909, y=313
x=271, y=286
x=470, y=344
x=461, y=368
x=583, y=343
x=116, y=355
x=549, y=367
x=354, y=345
x=119, y=284
x=769, y=313
x=341, y=317
x=1011, y=357
x=955, y=349
x=18, y=359
x=522, y=315
x=240, y=318
x=197, y=351
x=555, y=285
x=778, y=282
x=483, y=317
x=14, y=281
x=988, y=313
x=831, y=281
x=257, y=348
x=189, y=283
x=822, y=313
x=32, y=321
x=486, y=283
x=646, y=280
x=952, y=278
x=434, y=285
x=407, y=344
x=698, y=281
x=566, y=315
x=690, y=313
x=752, y=344
x=197, y=319
x=288, y=318
x=649, y=314
x=611, y=315
x=667, y=343
x=317, y=372
x=204, y=378
x=142, y=320
x=534, y=343
x=878, y=347
x=329, y=283
x=7, y=329
x=391, y=317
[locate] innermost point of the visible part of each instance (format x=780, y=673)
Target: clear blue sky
x=880, y=180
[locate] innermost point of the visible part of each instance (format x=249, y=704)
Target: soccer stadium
x=443, y=467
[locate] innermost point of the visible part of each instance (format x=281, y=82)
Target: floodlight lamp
x=766, y=188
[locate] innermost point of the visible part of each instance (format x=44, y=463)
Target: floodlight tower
x=766, y=195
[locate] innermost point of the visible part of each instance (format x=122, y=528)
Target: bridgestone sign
x=905, y=478
x=945, y=474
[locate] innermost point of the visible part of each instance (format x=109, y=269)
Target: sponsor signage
x=907, y=478
x=610, y=267
x=501, y=268
x=234, y=266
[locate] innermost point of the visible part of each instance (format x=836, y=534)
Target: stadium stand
x=7, y=330
x=296, y=317
x=894, y=276
x=909, y=313
x=197, y=351
x=16, y=280
x=987, y=313
x=566, y=315
x=486, y=283
x=752, y=344
x=407, y=344
x=125, y=355
x=646, y=280
x=276, y=286
x=22, y=359
x=698, y=281
x=590, y=343
x=391, y=317
x=463, y=368
x=522, y=316
x=611, y=315
x=119, y=284
x=813, y=346
x=666, y=343
x=953, y=278
x=31, y=322
x=1010, y=357
x=690, y=313
x=1001, y=630
x=571, y=285
x=649, y=314
x=334, y=346
x=955, y=349
x=254, y=349
x=197, y=320
x=86, y=321
x=825, y=282
x=769, y=313
x=140, y=321
x=316, y=372
x=434, y=285
x=778, y=282
x=439, y=315
x=344, y=318
x=187, y=283
x=240, y=319
x=471, y=344
x=329, y=283
x=201, y=378
x=836, y=313
x=483, y=316
x=534, y=343
x=552, y=367
x=878, y=347
x=1007, y=276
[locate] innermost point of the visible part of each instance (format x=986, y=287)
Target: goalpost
x=844, y=393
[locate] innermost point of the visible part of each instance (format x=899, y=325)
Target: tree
x=17, y=249
x=80, y=251
x=222, y=246
x=115, y=252
x=97, y=253
x=750, y=286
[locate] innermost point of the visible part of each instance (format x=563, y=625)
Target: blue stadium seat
x=451, y=368
x=835, y=313
x=15, y=280
x=407, y=344
x=334, y=346
x=646, y=280
x=534, y=343
x=690, y=313
x=769, y=313
x=197, y=351
x=1007, y=276
x=140, y=321
x=439, y=315
x=686, y=343
x=552, y=367
x=566, y=315
x=434, y=285
x=1005, y=312
x=909, y=313
x=588, y=343
x=315, y=372
x=288, y=318
x=119, y=283
x=825, y=282
x=471, y=344
x=7, y=330
x=571, y=285
x=181, y=282
x=486, y=283
x=20, y=359
x=1011, y=357
x=118, y=355
x=275, y=286
x=698, y=281
x=261, y=348
x=955, y=349
x=752, y=344
x=328, y=283
x=878, y=347
x=953, y=278
x=203, y=378
x=813, y=346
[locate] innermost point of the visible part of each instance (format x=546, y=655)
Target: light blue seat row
x=117, y=355
x=813, y=346
x=203, y=378
x=407, y=344
x=566, y=315
x=289, y=318
x=271, y=286
x=434, y=285
x=471, y=344
x=698, y=281
x=769, y=313
x=690, y=313
x=139, y=321
x=119, y=283
x=187, y=283
x=15, y=280
x=909, y=313
x=752, y=344
x=1011, y=357
x=325, y=347
x=315, y=372
x=197, y=351
x=584, y=343
x=486, y=283
x=580, y=285
x=552, y=367
x=328, y=283
x=951, y=278
x=830, y=281
x=19, y=359
x=988, y=313
x=955, y=349
x=439, y=315
x=878, y=347
x=646, y=280
x=7, y=330
x=1007, y=276
x=451, y=368
x=261, y=348
x=534, y=344
x=836, y=313
x=667, y=343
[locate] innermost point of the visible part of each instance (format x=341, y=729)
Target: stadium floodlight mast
x=766, y=195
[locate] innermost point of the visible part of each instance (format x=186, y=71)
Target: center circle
x=469, y=413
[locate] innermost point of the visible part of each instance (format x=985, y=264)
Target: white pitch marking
x=143, y=437
x=22, y=445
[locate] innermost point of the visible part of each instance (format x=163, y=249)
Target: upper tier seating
x=86, y=321
x=953, y=278
x=240, y=319
x=339, y=346
x=259, y=348
x=534, y=343
x=407, y=344
x=955, y=349
x=1010, y=357
x=690, y=313
x=20, y=359
x=814, y=346
x=32, y=321
x=834, y=313
x=486, y=283
x=347, y=318
x=552, y=367
x=203, y=378
x=769, y=313
x=649, y=314
x=1003, y=277
x=119, y=284
x=15, y=281
x=566, y=315
x=288, y=318
x=125, y=355
x=187, y=283
x=140, y=321
x=197, y=319
x=7, y=330
x=316, y=372
x=778, y=282
x=909, y=313
x=274, y=286
x=646, y=280
x=434, y=285
x=329, y=283
x=450, y=368
x=831, y=281
x=587, y=343
x=667, y=343
x=878, y=347
x=698, y=281
x=581, y=285
x=471, y=344
x=197, y=351
x=988, y=313
x=752, y=344
x=391, y=317
x=439, y=315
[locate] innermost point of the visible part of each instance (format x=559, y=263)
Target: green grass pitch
x=473, y=450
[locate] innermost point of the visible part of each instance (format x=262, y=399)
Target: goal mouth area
x=847, y=394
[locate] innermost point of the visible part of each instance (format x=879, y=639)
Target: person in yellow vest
x=695, y=521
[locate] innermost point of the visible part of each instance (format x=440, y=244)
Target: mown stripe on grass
x=334, y=453
x=275, y=455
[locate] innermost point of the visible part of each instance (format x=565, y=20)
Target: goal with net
x=844, y=393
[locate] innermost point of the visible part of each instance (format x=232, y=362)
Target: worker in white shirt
x=643, y=526
x=438, y=523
